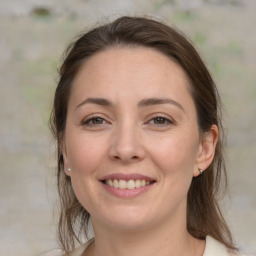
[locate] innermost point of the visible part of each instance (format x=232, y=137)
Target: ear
x=206, y=150
x=65, y=157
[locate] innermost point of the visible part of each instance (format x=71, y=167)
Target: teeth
x=137, y=183
x=115, y=184
x=130, y=184
x=122, y=184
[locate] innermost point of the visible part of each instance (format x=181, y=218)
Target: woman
x=137, y=120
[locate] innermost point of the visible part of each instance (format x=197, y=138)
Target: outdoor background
x=33, y=36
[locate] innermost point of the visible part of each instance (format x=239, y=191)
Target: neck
x=165, y=239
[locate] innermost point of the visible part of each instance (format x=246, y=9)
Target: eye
x=160, y=121
x=93, y=121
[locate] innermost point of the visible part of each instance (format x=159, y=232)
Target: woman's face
x=131, y=138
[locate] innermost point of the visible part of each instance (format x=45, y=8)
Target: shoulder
x=79, y=251
x=214, y=247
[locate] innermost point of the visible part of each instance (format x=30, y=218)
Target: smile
x=129, y=184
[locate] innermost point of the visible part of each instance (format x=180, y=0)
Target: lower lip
x=127, y=193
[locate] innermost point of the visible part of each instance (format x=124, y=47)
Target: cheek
x=84, y=152
x=85, y=155
x=175, y=154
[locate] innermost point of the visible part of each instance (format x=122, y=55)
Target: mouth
x=127, y=184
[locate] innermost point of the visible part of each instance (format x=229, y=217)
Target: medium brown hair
x=203, y=213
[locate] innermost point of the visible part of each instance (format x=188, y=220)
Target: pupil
x=98, y=120
x=160, y=120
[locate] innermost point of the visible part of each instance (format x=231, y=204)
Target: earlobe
x=206, y=150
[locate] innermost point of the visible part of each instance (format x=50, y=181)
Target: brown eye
x=160, y=121
x=97, y=120
x=94, y=121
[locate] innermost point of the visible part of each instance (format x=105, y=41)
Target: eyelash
x=166, y=121
x=89, y=121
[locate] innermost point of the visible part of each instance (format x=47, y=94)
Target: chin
x=127, y=219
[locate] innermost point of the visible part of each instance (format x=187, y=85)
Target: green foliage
x=199, y=38
x=218, y=69
x=231, y=49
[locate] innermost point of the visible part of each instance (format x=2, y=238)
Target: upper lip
x=122, y=176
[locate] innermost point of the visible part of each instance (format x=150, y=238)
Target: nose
x=126, y=145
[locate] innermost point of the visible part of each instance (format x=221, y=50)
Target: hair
x=204, y=216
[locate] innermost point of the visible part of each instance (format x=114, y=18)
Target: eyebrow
x=142, y=103
x=159, y=101
x=97, y=101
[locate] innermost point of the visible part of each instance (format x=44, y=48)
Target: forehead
x=138, y=71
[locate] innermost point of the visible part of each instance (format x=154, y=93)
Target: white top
x=212, y=248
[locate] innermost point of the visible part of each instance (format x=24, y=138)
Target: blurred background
x=33, y=36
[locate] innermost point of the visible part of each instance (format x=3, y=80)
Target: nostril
x=116, y=157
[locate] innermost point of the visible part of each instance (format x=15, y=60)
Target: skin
x=126, y=137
